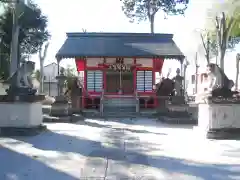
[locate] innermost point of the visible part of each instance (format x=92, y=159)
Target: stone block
x=59, y=109
x=219, y=120
x=193, y=110
x=20, y=114
x=21, y=119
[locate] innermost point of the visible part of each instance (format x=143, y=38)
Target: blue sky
x=107, y=16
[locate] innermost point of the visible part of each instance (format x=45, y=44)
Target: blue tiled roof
x=119, y=45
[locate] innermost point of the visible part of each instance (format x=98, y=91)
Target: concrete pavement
x=118, y=149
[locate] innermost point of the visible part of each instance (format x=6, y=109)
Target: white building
x=50, y=72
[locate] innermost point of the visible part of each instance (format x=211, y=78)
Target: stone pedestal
x=60, y=107
x=177, y=100
x=219, y=120
x=20, y=118
x=178, y=114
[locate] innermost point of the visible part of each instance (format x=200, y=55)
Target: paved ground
x=118, y=150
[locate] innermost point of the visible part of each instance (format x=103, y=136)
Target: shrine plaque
x=120, y=67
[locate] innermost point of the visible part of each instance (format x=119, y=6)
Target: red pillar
x=81, y=66
x=157, y=67
x=134, y=75
x=154, y=82
x=85, y=87
x=104, y=77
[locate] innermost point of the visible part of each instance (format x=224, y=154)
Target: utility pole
x=186, y=64
x=196, y=73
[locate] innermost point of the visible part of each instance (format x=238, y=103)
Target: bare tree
x=206, y=46
x=226, y=16
x=42, y=56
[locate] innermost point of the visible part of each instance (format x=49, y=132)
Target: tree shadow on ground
x=147, y=122
x=142, y=131
x=21, y=167
x=93, y=124
x=99, y=124
x=94, y=149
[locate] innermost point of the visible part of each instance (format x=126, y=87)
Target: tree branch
x=204, y=45
x=218, y=31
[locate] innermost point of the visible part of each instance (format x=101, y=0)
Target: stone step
x=120, y=104
x=119, y=109
x=119, y=114
x=67, y=119
x=46, y=109
x=177, y=120
x=120, y=101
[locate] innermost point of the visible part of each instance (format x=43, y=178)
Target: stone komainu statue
x=21, y=81
x=165, y=87
x=222, y=89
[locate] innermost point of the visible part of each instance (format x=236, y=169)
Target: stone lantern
x=61, y=106
x=61, y=82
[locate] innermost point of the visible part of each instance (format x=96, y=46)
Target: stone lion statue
x=165, y=87
x=21, y=80
x=24, y=74
x=218, y=84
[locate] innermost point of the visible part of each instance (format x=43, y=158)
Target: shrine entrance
x=119, y=82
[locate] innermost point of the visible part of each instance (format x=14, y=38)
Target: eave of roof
x=119, y=45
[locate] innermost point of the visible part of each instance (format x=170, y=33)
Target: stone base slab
x=22, y=98
x=224, y=133
x=220, y=134
x=64, y=119
x=18, y=131
x=47, y=118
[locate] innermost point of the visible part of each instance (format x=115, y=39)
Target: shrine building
x=119, y=65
